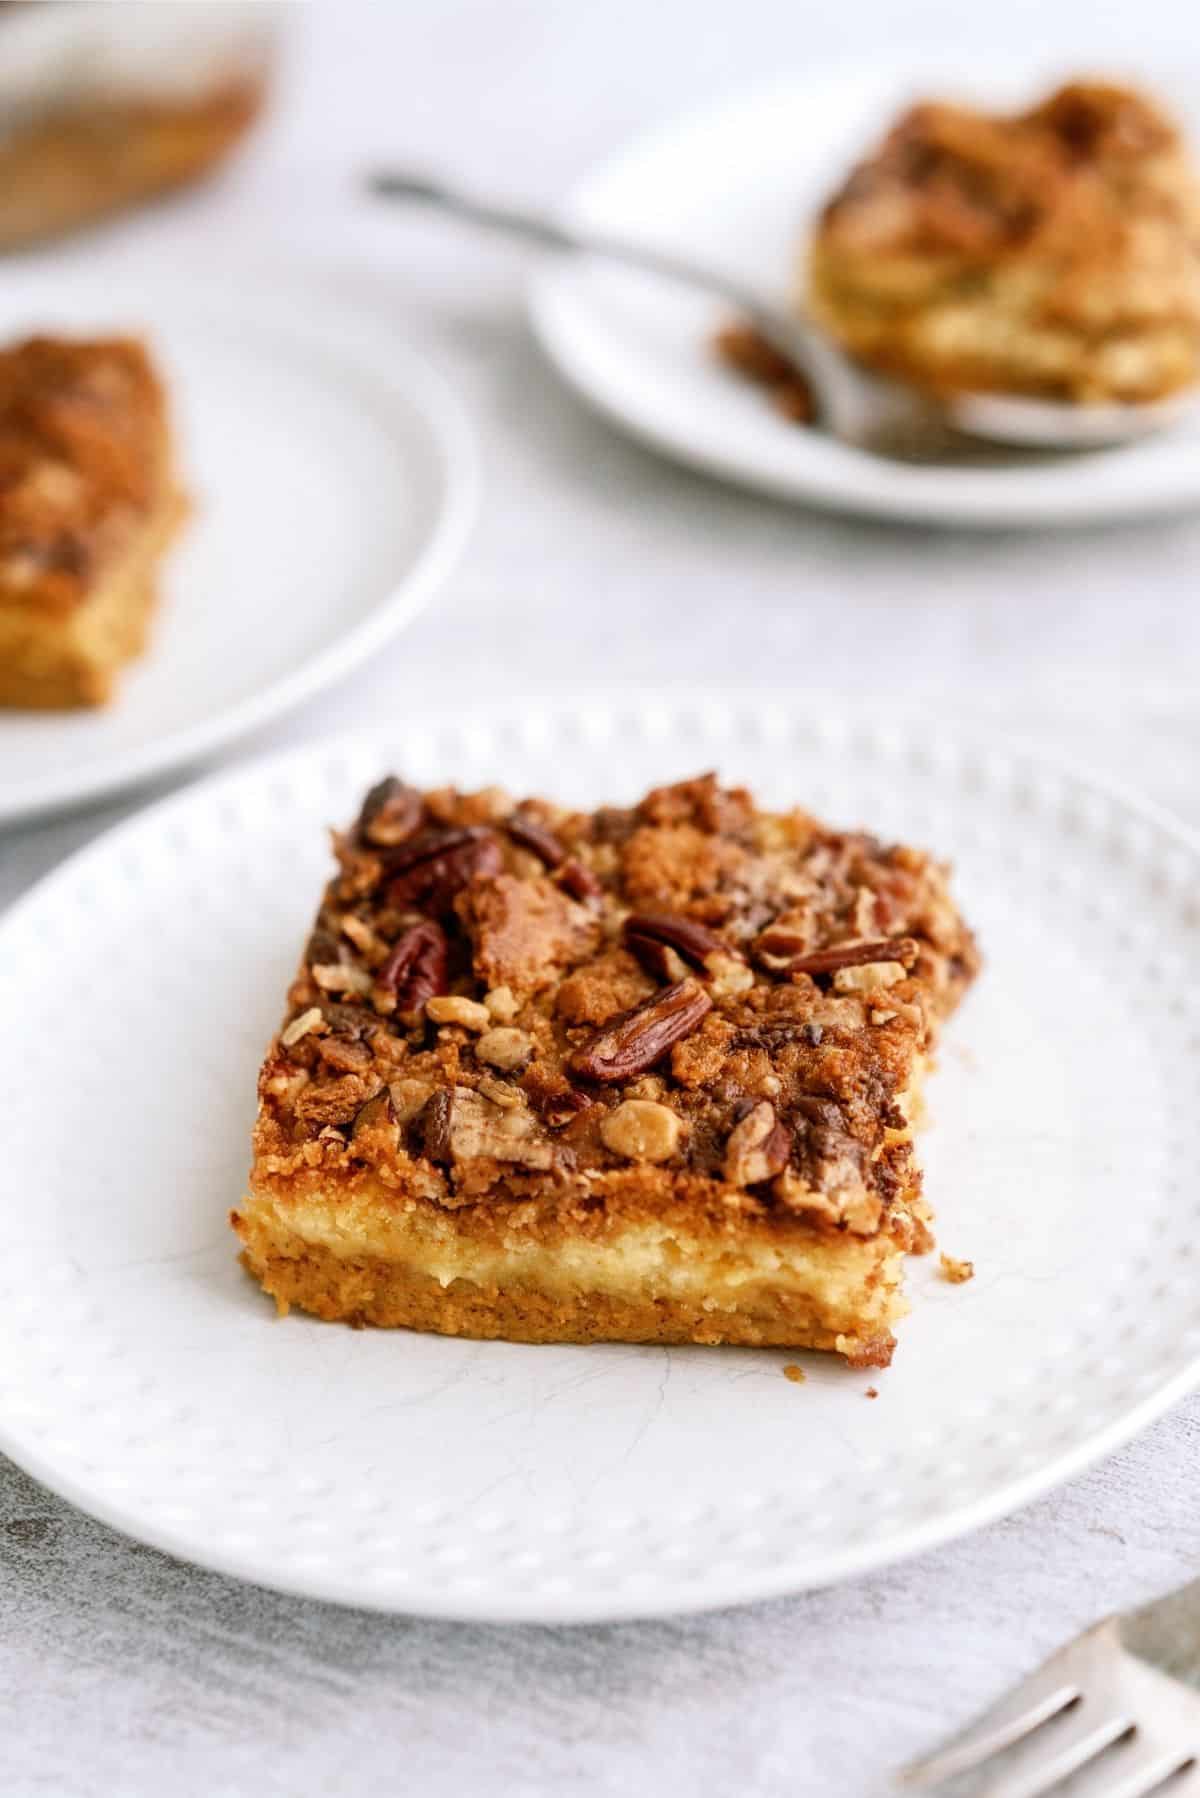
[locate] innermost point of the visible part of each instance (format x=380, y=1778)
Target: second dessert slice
x=88, y=504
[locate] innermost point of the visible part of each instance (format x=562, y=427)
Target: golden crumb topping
x=82, y=463
x=500, y=999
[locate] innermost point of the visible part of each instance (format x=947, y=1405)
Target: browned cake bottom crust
x=381, y=1293
x=389, y=1294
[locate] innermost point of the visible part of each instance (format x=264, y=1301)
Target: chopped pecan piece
x=639, y=1038
x=642, y=1130
x=409, y=1099
x=840, y=955
x=344, y=1054
x=311, y=1019
x=816, y=1110
x=869, y=977
x=557, y=1101
x=531, y=835
x=390, y=812
x=341, y=977
x=468, y=1014
x=833, y=1160
x=376, y=1130
x=435, y=865
x=415, y=970
x=758, y=1147
x=435, y=1125
x=576, y=878
x=648, y=934
x=504, y=1047
x=463, y=1125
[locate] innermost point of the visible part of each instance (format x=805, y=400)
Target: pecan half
x=415, y=970
x=649, y=934
x=758, y=1148
x=390, y=812
x=576, y=878
x=633, y=1042
x=534, y=836
x=433, y=866
x=841, y=955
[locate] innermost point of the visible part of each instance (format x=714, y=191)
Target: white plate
x=737, y=187
x=332, y=478
x=146, y=1378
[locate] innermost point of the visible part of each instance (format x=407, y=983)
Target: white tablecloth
x=122, y=1672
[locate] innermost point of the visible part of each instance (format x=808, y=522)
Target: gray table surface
x=123, y=1672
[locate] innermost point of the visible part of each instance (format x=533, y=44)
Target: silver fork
x=1119, y=1707
x=879, y=416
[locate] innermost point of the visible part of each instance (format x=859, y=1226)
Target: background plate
x=145, y=1377
x=332, y=478
x=737, y=187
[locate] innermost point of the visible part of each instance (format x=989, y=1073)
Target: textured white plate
x=332, y=478
x=145, y=1377
x=737, y=187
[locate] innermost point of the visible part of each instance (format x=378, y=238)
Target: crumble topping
x=499, y=999
x=82, y=463
x=957, y=1272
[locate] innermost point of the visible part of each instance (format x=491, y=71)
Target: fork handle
x=550, y=233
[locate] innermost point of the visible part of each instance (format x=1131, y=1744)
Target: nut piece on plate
x=1053, y=253
x=88, y=504
x=570, y=1076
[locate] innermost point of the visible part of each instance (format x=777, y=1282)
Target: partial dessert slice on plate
x=88, y=504
x=643, y=1074
x=1052, y=253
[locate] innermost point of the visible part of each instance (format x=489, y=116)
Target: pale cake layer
x=60, y=662
x=650, y=1282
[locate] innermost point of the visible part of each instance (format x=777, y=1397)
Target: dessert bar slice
x=1053, y=252
x=642, y=1074
x=88, y=503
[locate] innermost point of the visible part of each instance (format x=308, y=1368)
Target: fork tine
x=1063, y=1747
x=1009, y=1720
x=1186, y=1783
x=1142, y=1771
x=1048, y=1691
